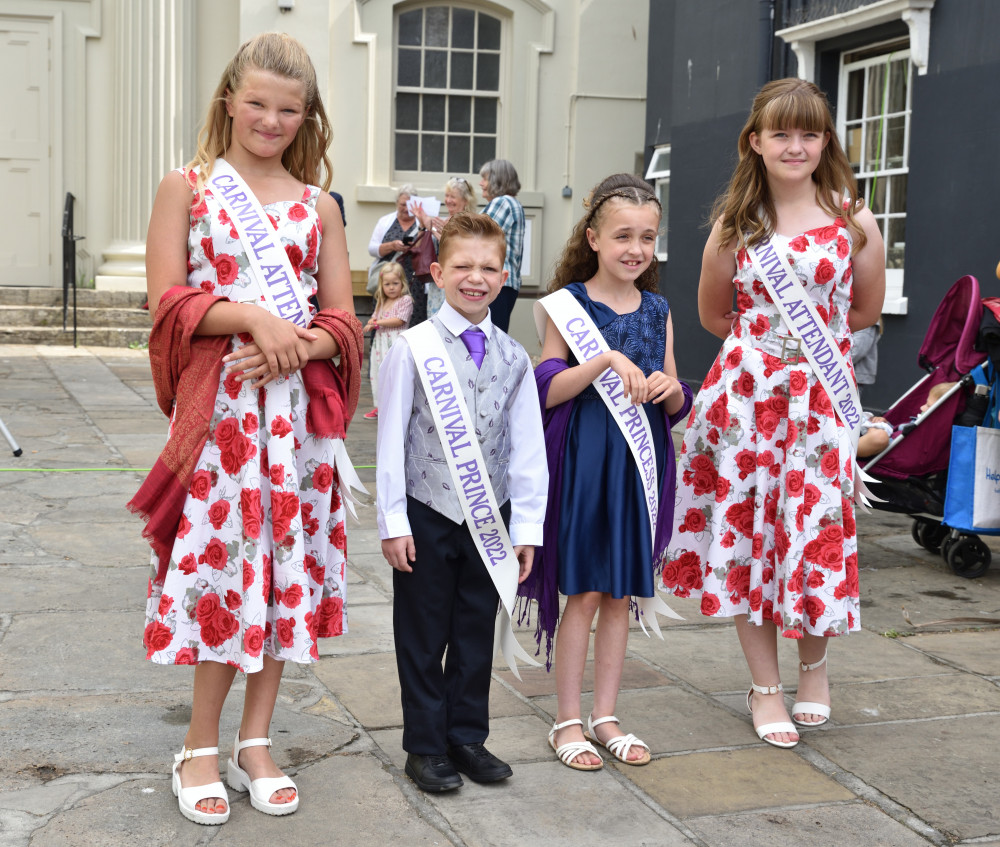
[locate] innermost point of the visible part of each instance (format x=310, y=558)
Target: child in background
x=244, y=505
x=444, y=596
x=598, y=535
x=393, y=307
x=764, y=527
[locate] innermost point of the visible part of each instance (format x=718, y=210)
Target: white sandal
x=806, y=707
x=568, y=752
x=620, y=745
x=189, y=798
x=260, y=789
x=770, y=728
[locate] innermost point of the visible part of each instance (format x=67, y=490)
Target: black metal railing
x=69, y=261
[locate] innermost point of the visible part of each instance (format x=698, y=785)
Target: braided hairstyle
x=578, y=262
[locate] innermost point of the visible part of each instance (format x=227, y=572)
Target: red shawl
x=186, y=371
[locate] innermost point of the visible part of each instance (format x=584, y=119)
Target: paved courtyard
x=88, y=727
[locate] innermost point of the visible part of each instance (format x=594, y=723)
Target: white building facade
x=102, y=97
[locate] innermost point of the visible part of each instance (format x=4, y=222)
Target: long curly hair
x=306, y=157
x=578, y=261
x=746, y=210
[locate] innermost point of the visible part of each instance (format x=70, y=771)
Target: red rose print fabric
x=259, y=565
x=764, y=520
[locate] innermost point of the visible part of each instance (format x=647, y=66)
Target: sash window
x=448, y=77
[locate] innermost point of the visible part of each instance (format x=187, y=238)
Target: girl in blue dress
x=597, y=529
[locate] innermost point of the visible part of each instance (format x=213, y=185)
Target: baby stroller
x=912, y=472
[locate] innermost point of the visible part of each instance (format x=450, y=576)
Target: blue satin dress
x=604, y=540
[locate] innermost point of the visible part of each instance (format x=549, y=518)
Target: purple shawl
x=542, y=582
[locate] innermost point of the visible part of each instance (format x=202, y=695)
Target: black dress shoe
x=432, y=773
x=478, y=763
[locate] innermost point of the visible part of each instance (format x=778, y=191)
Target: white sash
x=274, y=278
x=272, y=271
x=585, y=342
x=817, y=344
x=470, y=478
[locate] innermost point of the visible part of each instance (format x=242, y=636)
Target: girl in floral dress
x=244, y=506
x=393, y=308
x=764, y=525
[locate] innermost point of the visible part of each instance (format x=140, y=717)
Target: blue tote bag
x=972, y=498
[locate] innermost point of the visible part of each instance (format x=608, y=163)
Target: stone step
x=11, y=295
x=52, y=316
x=92, y=336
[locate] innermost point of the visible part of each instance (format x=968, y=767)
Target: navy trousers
x=445, y=609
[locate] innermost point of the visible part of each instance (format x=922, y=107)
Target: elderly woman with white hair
x=500, y=185
x=391, y=240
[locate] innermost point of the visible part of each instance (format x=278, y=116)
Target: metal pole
x=10, y=439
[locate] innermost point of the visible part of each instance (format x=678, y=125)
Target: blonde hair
x=389, y=267
x=746, y=210
x=275, y=52
x=459, y=186
x=578, y=261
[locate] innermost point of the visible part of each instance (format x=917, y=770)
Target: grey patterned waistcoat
x=488, y=393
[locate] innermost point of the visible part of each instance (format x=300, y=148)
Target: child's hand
x=399, y=552
x=525, y=556
x=633, y=379
x=662, y=386
x=279, y=348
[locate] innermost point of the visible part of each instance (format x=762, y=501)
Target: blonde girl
x=393, y=308
x=458, y=197
x=244, y=505
x=764, y=529
x=598, y=545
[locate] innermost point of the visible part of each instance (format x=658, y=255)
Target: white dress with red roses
x=258, y=564
x=764, y=524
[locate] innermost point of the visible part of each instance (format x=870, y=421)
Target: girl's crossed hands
x=279, y=348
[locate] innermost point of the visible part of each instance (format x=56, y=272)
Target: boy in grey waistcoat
x=445, y=600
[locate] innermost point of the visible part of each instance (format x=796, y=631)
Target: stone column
x=154, y=124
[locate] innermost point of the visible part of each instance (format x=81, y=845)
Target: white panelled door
x=26, y=236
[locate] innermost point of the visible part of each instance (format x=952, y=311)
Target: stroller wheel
x=968, y=556
x=928, y=534
x=931, y=534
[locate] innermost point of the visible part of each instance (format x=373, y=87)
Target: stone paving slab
x=137, y=732
x=537, y=681
x=29, y=588
x=977, y=652
x=946, y=769
x=922, y=697
x=368, y=686
x=927, y=594
x=592, y=808
x=347, y=800
x=723, y=782
x=369, y=631
x=124, y=815
x=94, y=653
x=836, y=825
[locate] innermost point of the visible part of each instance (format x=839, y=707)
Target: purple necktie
x=475, y=342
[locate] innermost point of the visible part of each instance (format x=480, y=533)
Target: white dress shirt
x=527, y=470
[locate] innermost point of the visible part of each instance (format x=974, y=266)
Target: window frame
x=400, y=175
x=895, y=299
x=659, y=177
